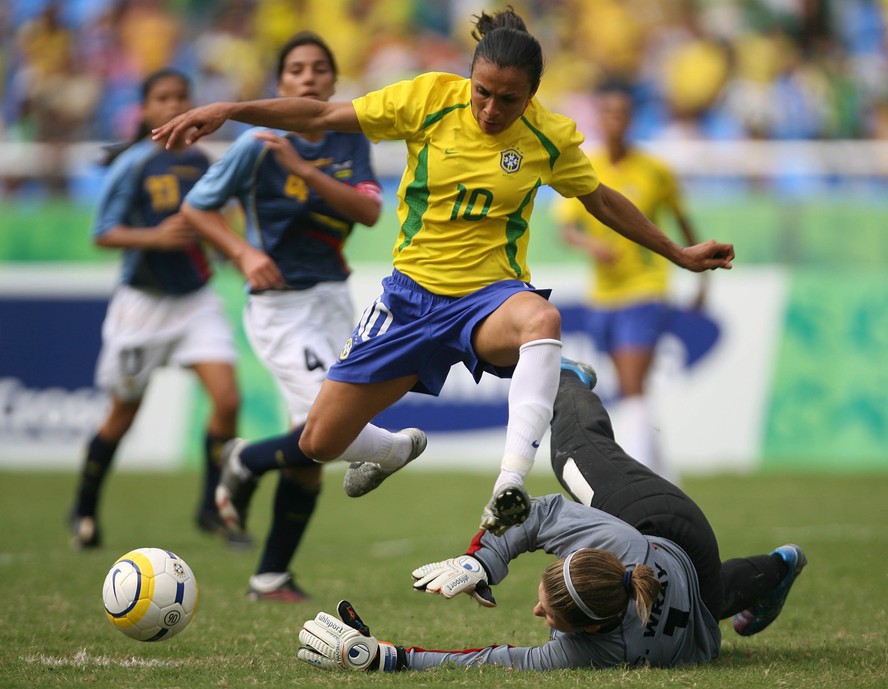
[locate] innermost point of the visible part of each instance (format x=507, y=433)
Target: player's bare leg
x=373, y=453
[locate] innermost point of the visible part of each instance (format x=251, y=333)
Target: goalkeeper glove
x=463, y=574
x=331, y=644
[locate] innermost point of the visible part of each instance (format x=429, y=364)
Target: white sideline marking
x=84, y=659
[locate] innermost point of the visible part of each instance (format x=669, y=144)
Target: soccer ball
x=150, y=594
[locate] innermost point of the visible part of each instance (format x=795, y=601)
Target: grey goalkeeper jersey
x=680, y=630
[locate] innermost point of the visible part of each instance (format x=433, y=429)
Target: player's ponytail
x=112, y=151
x=507, y=19
x=503, y=40
x=591, y=586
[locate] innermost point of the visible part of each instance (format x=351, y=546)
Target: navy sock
x=212, y=468
x=99, y=455
x=293, y=507
x=275, y=453
x=746, y=580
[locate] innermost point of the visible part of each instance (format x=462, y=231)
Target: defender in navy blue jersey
x=638, y=579
x=302, y=195
x=163, y=312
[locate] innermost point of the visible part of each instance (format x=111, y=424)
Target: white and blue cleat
x=583, y=371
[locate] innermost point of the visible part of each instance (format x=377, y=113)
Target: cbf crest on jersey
x=510, y=160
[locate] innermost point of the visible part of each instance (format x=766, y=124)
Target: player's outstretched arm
x=620, y=214
x=289, y=114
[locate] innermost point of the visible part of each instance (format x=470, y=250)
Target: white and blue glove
x=331, y=644
x=463, y=574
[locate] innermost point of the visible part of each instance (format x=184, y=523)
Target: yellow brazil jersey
x=466, y=197
x=637, y=273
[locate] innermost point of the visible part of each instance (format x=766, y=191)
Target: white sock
x=269, y=581
x=507, y=478
x=375, y=444
x=638, y=435
x=531, y=398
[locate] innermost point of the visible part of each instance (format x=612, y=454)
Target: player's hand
x=331, y=644
x=507, y=507
x=287, y=156
x=175, y=233
x=259, y=270
x=192, y=125
x=707, y=256
x=457, y=575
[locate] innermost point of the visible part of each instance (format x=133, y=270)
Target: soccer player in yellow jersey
x=478, y=149
x=628, y=297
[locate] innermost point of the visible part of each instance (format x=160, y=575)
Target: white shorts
x=144, y=331
x=297, y=335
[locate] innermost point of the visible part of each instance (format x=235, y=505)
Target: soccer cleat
x=362, y=477
x=234, y=490
x=766, y=609
x=282, y=590
x=209, y=521
x=509, y=507
x=84, y=532
x=583, y=371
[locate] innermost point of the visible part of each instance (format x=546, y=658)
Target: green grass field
x=53, y=632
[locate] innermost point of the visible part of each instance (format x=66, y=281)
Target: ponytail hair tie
x=627, y=580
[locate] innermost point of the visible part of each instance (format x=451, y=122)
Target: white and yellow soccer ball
x=150, y=594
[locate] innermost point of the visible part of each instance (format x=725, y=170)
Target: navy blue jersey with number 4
x=145, y=185
x=286, y=219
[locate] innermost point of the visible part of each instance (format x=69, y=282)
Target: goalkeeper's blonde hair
x=603, y=585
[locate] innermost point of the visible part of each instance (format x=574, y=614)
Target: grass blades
x=53, y=632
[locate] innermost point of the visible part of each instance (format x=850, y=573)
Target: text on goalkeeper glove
x=463, y=574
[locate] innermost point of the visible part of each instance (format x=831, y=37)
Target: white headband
x=575, y=596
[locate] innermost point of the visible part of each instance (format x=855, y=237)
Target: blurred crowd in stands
x=699, y=69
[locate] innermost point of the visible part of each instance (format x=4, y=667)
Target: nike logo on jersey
x=535, y=444
x=450, y=152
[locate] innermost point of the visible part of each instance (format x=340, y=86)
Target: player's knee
x=319, y=447
x=544, y=323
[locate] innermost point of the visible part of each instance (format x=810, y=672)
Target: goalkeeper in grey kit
x=638, y=580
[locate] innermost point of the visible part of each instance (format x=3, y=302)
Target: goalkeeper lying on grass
x=638, y=580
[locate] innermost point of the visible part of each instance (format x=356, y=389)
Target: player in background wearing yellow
x=478, y=149
x=628, y=310
x=163, y=312
x=302, y=195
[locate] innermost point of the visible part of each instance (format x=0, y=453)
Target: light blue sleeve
x=119, y=190
x=231, y=175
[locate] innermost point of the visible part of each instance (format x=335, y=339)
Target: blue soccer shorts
x=639, y=326
x=411, y=331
